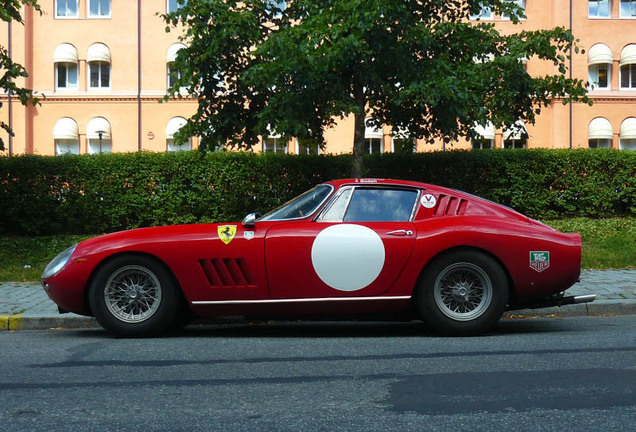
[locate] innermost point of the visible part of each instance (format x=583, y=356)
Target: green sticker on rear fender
x=539, y=260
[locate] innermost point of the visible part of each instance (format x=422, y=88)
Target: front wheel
x=462, y=293
x=134, y=296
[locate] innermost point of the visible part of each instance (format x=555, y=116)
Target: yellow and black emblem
x=226, y=233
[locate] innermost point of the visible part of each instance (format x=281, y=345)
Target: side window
x=381, y=205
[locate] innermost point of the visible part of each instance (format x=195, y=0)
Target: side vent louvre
x=227, y=272
x=448, y=205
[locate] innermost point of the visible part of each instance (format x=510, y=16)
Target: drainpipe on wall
x=10, y=51
x=138, y=75
x=571, y=75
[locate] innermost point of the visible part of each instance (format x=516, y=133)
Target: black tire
x=134, y=296
x=462, y=293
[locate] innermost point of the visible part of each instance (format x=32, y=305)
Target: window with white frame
x=599, y=76
x=66, y=136
x=65, y=76
x=173, y=74
x=373, y=137
x=515, y=137
x=99, y=8
x=628, y=134
x=521, y=4
x=274, y=144
x=66, y=70
x=98, y=136
x=485, y=137
x=600, y=133
x=628, y=76
x=599, y=8
x=484, y=14
x=600, y=61
x=173, y=127
x=99, y=72
x=98, y=59
x=628, y=9
x=174, y=5
x=307, y=146
x=66, y=8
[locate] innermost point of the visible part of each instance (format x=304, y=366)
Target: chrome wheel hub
x=463, y=291
x=132, y=294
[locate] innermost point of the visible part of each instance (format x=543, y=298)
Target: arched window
x=628, y=67
x=65, y=59
x=486, y=137
x=174, y=125
x=516, y=136
x=98, y=136
x=628, y=134
x=599, y=60
x=66, y=136
x=373, y=137
x=600, y=133
x=98, y=59
x=173, y=75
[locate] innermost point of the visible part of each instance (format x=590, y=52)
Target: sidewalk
x=25, y=305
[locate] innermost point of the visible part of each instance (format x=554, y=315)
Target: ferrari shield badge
x=226, y=233
x=539, y=261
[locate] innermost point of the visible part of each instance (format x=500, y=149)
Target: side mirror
x=250, y=220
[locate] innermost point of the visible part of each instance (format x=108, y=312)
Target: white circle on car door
x=348, y=257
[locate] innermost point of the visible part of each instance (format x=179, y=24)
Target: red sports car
x=362, y=246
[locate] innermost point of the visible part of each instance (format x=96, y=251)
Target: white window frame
x=169, y=73
x=593, y=76
x=280, y=146
x=632, y=6
x=599, y=143
x=66, y=2
x=484, y=14
x=99, y=7
x=632, y=79
x=63, y=146
x=307, y=147
x=172, y=147
x=479, y=143
x=178, y=6
x=598, y=8
x=521, y=4
x=99, y=64
x=93, y=145
x=69, y=85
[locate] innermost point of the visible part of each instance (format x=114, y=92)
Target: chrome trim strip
x=300, y=300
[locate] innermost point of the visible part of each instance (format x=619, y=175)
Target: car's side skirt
x=300, y=300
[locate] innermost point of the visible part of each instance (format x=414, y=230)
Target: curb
x=597, y=308
x=20, y=322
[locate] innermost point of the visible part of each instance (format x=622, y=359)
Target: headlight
x=58, y=263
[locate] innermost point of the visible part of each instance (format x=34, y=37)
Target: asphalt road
x=568, y=374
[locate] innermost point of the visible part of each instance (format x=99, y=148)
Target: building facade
x=103, y=65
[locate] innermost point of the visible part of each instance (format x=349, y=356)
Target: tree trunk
x=358, y=135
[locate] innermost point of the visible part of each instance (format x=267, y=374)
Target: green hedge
x=87, y=194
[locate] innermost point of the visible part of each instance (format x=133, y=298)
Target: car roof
x=376, y=181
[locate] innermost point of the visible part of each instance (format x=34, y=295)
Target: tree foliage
x=10, y=70
x=420, y=66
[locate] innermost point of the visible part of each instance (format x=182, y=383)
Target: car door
x=357, y=246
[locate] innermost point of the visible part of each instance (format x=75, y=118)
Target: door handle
x=400, y=233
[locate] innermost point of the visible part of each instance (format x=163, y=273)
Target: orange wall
x=34, y=43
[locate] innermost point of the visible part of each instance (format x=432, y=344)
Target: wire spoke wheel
x=463, y=291
x=132, y=294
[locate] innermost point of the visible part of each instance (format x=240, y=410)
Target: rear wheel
x=462, y=293
x=134, y=296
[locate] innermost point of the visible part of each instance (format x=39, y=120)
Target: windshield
x=301, y=206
